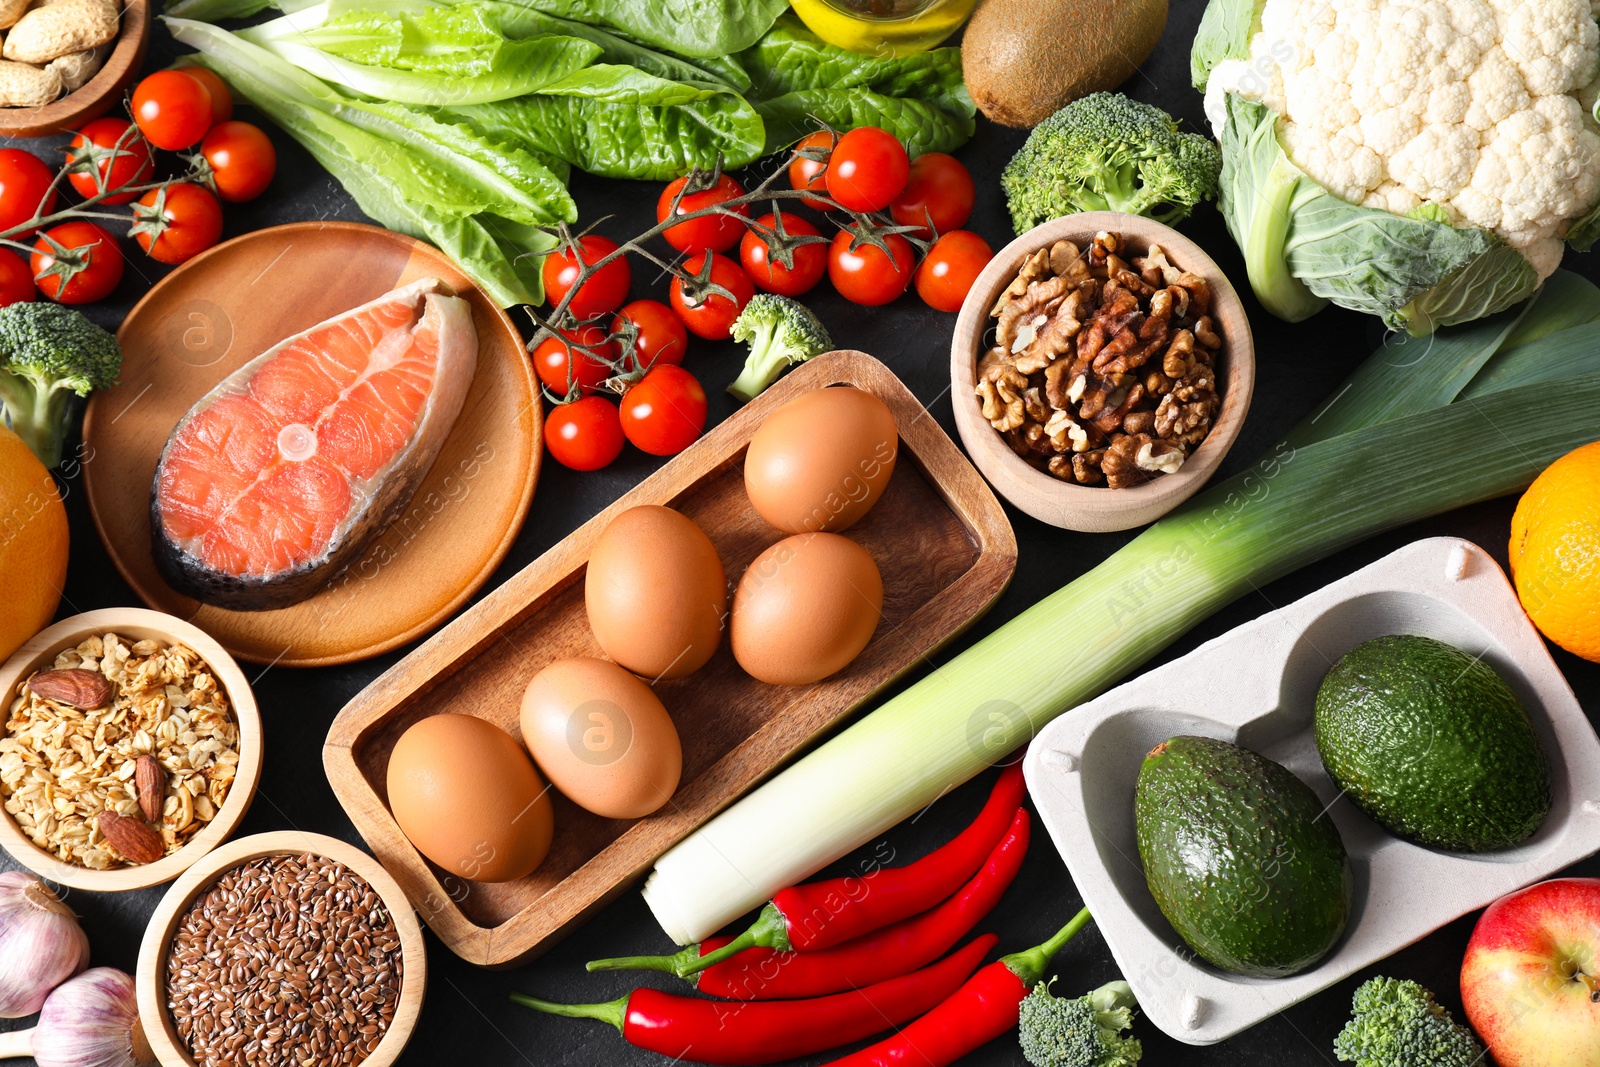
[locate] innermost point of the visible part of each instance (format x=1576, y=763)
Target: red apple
x=1531, y=979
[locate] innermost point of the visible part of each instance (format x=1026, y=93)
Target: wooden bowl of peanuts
x=131, y=748
x=286, y=946
x=1101, y=369
x=68, y=63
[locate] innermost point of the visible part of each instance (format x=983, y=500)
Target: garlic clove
x=41, y=944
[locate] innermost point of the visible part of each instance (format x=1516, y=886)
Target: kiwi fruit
x=1024, y=60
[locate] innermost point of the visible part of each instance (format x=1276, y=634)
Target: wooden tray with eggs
x=804, y=613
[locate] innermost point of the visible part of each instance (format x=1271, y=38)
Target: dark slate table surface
x=466, y=1016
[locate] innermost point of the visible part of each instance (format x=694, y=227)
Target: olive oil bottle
x=884, y=27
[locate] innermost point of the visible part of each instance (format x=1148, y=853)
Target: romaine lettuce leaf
x=620, y=122
x=699, y=29
x=477, y=201
x=797, y=81
x=430, y=55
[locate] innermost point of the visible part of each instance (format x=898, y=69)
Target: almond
x=74, y=687
x=136, y=841
x=150, y=785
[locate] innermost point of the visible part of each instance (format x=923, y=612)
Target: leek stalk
x=1367, y=463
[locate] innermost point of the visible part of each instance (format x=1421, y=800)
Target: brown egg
x=821, y=461
x=805, y=608
x=602, y=736
x=656, y=593
x=467, y=796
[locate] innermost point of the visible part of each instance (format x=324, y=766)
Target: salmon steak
x=278, y=478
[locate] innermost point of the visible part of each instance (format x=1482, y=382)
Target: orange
x=1555, y=552
x=33, y=544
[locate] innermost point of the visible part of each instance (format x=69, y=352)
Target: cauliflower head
x=1479, y=109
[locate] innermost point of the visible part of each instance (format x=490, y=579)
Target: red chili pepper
x=714, y=1031
x=815, y=916
x=986, y=1006
x=764, y=974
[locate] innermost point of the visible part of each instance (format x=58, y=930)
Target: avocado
x=1433, y=745
x=1240, y=857
x=1024, y=60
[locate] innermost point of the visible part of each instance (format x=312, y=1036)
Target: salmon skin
x=278, y=478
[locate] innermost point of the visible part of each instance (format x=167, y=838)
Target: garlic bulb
x=41, y=944
x=92, y=1021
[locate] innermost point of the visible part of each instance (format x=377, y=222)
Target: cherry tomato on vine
x=24, y=185
x=940, y=187
x=950, y=267
x=216, y=89
x=603, y=292
x=172, y=109
x=808, y=174
x=866, y=274
x=242, y=160
x=718, y=233
x=76, y=263
x=664, y=412
x=16, y=280
x=575, y=357
x=712, y=318
x=810, y=260
x=868, y=169
x=108, y=150
x=585, y=434
x=659, y=336
x=176, y=222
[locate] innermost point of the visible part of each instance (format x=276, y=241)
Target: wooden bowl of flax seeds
x=278, y=949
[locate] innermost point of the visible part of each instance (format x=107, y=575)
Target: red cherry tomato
x=172, y=109
x=940, y=187
x=177, y=222
x=585, y=434
x=602, y=293
x=659, y=336
x=809, y=174
x=24, y=188
x=76, y=263
x=865, y=274
x=868, y=169
x=712, y=318
x=16, y=280
x=715, y=232
x=950, y=267
x=242, y=160
x=664, y=412
x=810, y=260
x=216, y=89
x=575, y=357
x=111, y=151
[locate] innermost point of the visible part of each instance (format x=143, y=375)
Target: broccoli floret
x=1108, y=153
x=48, y=355
x=1398, y=1024
x=780, y=331
x=1086, y=1032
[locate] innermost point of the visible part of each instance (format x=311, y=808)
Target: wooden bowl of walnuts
x=1101, y=368
x=131, y=747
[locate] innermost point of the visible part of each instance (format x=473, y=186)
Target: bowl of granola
x=131, y=748
x=1101, y=367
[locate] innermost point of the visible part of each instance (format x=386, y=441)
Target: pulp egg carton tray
x=1256, y=687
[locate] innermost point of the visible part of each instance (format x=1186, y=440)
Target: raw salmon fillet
x=276, y=480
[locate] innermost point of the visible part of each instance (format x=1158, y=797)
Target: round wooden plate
x=226, y=306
